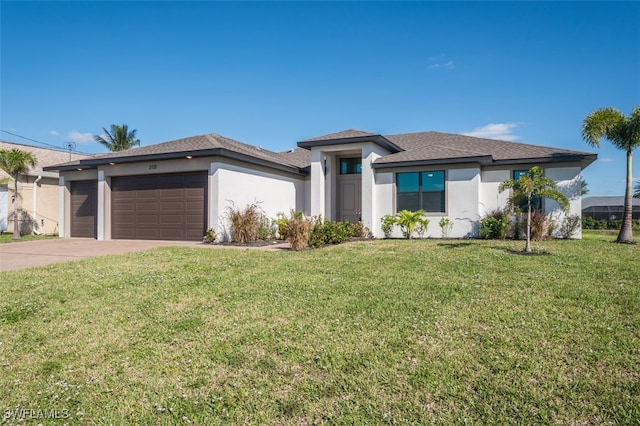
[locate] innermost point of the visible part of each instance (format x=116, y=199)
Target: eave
x=377, y=139
x=216, y=152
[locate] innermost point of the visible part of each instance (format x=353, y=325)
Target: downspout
x=35, y=205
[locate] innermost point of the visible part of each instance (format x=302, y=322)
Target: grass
x=422, y=332
x=7, y=237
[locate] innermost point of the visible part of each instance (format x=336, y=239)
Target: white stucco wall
x=490, y=198
x=384, y=200
x=241, y=186
x=463, y=203
x=568, y=181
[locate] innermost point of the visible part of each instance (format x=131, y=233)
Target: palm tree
x=409, y=222
x=119, y=138
x=530, y=186
x=624, y=133
x=637, y=193
x=16, y=162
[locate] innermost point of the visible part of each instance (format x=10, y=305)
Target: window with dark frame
x=351, y=166
x=421, y=191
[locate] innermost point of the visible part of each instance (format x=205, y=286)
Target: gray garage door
x=159, y=207
x=84, y=203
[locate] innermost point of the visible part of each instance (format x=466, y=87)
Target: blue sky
x=274, y=73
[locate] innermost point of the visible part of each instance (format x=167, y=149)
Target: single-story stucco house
x=178, y=189
x=38, y=191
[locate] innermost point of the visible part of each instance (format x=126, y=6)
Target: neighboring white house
x=38, y=190
x=178, y=189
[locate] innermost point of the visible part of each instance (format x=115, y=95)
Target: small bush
x=446, y=226
x=361, y=231
x=244, y=223
x=539, y=225
x=494, y=225
x=266, y=230
x=282, y=223
x=298, y=232
x=569, y=226
x=210, y=236
x=614, y=224
x=388, y=221
x=330, y=232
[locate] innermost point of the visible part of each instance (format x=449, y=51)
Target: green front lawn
x=420, y=332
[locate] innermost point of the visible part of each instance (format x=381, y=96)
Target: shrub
x=282, y=223
x=614, y=224
x=446, y=226
x=266, y=231
x=410, y=221
x=588, y=223
x=244, y=223
x=388, y=221
x=422, y=226
x=569, y=226
x=539, y=226
x=210, y=236
x=298, y=232
x=494, y=225
x=361, y=231
x=330, y=232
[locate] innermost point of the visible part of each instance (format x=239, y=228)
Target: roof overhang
x=487, y=160
x=583, y=159
x=376, y=139
x=94, y=163
x=482, y=160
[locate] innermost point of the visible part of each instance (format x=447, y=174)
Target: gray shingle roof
x=298, y=157
x=431, y=146
x=45, y=156
x=196, y=146
x=345, y=134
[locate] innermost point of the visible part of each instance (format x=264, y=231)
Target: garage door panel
x=176, y=193
x=171, y=206
x=84, y=205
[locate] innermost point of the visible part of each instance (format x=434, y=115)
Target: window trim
x=444, y=191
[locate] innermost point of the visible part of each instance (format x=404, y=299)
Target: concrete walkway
x=25, y=254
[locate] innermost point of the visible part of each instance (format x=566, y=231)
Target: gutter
x=35, y=205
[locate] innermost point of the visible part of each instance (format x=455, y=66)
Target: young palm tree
x=119, y=138
x=409, y=222
x=16, y=162
x=527, y=187
x=624, y=133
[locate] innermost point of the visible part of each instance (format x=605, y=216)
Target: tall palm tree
x=119, y=138
x=16, y=162
x=528, y=187
x=624, y=133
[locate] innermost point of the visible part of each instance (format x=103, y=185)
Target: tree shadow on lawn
x=454, y=245
x=522, y=252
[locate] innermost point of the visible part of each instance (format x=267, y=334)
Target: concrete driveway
x=25, y=254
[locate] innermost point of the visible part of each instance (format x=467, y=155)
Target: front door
x=349, y=195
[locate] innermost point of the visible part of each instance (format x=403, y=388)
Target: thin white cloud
x=501, y=131
x=606, y=160
x=440, y=62
x=54, y=133
x=81, y=138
